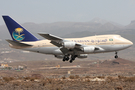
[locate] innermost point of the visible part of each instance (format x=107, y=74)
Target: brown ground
x=43, y=75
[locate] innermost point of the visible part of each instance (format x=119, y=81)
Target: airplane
x=67, y=49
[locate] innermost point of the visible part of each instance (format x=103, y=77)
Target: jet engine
x=83, y=56
x=88, y=49
x=69, y=45
x=59, y=56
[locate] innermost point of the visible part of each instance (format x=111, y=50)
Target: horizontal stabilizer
x=14, y=43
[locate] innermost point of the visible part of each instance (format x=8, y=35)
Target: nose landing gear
x=116, y=56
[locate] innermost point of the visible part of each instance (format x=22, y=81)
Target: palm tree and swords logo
x=17, y=34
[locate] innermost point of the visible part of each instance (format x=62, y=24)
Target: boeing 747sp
x=66, y=48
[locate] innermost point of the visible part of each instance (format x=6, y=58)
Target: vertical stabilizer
x=17, y=32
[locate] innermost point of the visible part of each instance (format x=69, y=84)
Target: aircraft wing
x=50, y=36
x=57, y=41
x=66, y=45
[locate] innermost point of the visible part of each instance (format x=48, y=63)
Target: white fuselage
x=105, y=43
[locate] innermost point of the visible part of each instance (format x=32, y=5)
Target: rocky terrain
x=118, y=74
x=76, y=83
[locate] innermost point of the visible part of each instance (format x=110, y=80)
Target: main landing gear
x=72, y=58
x=66, y=58
x=116, y=56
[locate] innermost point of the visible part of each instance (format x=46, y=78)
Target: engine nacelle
x=83, y=56
x=88, y=49
x=59, y=56
x=69, y=45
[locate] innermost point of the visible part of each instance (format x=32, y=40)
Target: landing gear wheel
x=116, y=56
x=66, y=58
x=63, y=60
x=72, y=58
x=71, y=61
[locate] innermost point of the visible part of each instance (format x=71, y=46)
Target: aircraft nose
x=130, y=43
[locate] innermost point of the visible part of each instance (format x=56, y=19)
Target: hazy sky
x=47, y=11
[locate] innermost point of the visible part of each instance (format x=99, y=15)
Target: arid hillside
x=118, y=74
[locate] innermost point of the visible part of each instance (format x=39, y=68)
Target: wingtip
x=40, y=33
